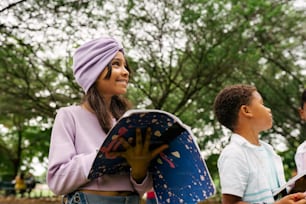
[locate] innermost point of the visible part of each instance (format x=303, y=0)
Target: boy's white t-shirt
x=270, y=170
x=300, y=157
x=243, y=171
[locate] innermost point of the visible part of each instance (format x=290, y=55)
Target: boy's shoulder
x=237, y=140
x=235, y=146
x=239, y=145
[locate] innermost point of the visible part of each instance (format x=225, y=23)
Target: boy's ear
x=245, y=110
x=302, y=114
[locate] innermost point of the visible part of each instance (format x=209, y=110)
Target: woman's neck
x=87, y=107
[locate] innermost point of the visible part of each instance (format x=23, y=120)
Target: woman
x=101, y=69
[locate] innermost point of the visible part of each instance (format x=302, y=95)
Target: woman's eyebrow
x=118, y=58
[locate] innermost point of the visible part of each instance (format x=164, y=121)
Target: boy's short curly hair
x=228, y=102
x=303, y=98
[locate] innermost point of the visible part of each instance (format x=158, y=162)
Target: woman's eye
x=115, y=64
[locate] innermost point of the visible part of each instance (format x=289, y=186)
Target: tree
x=189, y=50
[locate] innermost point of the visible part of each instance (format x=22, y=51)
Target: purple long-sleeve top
x=75, y=140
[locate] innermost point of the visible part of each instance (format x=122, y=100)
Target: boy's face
x=261, y=115
x=302, y=112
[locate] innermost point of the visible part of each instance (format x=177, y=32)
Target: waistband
x=109, y=193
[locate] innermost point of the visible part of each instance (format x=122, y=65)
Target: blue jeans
x=151, y=201
x=85, y=198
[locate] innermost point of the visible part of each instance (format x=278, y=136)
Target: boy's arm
x=231, y=199
x=297, y=198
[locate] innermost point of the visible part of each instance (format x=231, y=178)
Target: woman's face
x=118, y=81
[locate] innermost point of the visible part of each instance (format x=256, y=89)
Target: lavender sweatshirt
x=75, y=140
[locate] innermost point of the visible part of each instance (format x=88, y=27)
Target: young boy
x=300, y=156
x=250, y=171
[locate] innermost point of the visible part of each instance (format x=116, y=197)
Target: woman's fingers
x=138, y=147
x=124, y=143
x=299, y=196
x=147, y=141
x=141, y=148
x=158, y=150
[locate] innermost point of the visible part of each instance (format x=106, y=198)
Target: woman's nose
x=125, y=71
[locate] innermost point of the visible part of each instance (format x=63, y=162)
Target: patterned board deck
x=180, y=174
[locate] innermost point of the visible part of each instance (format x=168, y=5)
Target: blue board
x=180, y=174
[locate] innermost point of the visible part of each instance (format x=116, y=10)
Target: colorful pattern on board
x=179, y=173
x=105, y=164
x=190, y=182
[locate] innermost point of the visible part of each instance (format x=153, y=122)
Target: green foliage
x=34, y=143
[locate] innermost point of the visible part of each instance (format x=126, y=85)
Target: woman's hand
x=139, y=156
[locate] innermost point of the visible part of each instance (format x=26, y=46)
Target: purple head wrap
x=91, y=58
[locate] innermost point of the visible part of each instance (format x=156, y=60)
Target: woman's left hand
x=139, y=156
